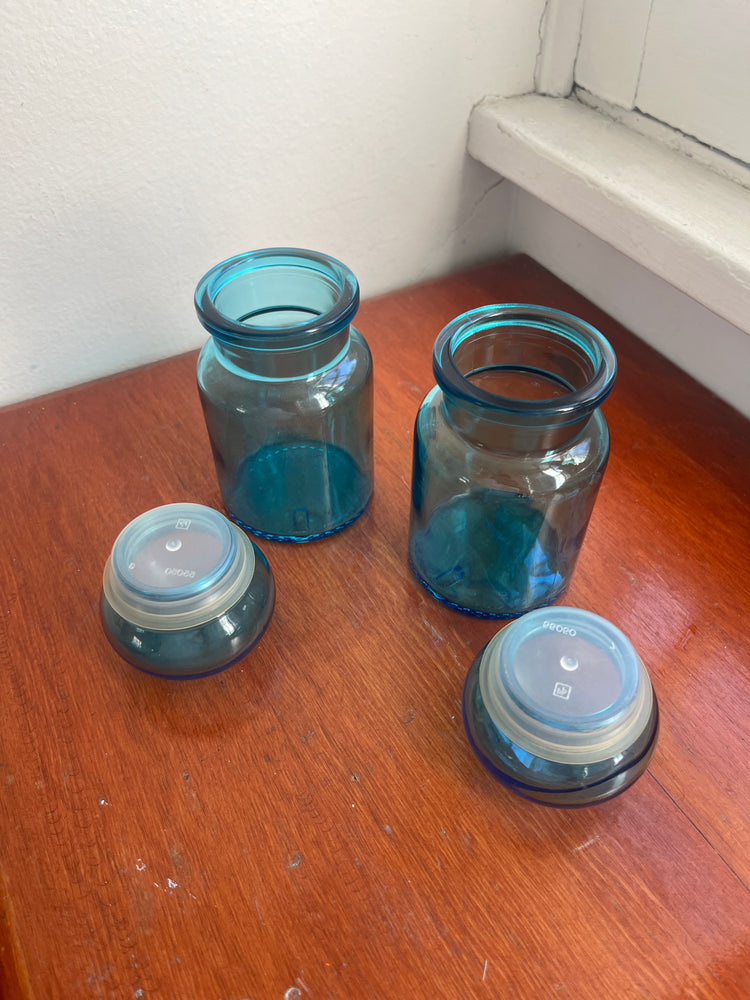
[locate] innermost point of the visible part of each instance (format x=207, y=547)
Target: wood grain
x=311, y=823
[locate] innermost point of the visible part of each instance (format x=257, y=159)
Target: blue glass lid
x=566, y=685
x=178, y=566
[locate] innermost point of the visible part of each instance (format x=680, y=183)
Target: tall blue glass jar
x=509, y=450
x=286, y=387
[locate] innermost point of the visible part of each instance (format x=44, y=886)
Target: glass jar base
x=491, y=553
x=297, y=539
x=297, y=491
x=479, y=613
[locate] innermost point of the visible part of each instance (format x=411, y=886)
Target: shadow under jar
x=286, y=387
x=509, y=451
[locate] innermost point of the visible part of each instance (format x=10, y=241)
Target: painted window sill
x=675, y=216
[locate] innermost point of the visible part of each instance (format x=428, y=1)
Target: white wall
x=144, y=142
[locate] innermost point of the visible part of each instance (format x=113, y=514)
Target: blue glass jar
x=185, y=592
x=559, y=708
x=509, y=450
x=286, y=387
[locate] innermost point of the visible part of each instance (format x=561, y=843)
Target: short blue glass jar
x=559, y=708
x=509, y=451
x=185, y=592
x=286, y=387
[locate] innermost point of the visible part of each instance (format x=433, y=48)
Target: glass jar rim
x=318, y=327
x=573, y=404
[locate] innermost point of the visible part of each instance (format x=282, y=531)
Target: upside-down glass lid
x=566, y=685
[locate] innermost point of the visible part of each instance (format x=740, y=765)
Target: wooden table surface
x=311, y=824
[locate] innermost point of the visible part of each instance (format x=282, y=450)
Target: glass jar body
x=498, y=533
x=288, y=407
x=293, y=456
x=501, y=498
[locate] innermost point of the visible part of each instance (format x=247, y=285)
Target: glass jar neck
x=511, y=436
x=285, y=362
x=278, y=313
x=522, y=377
